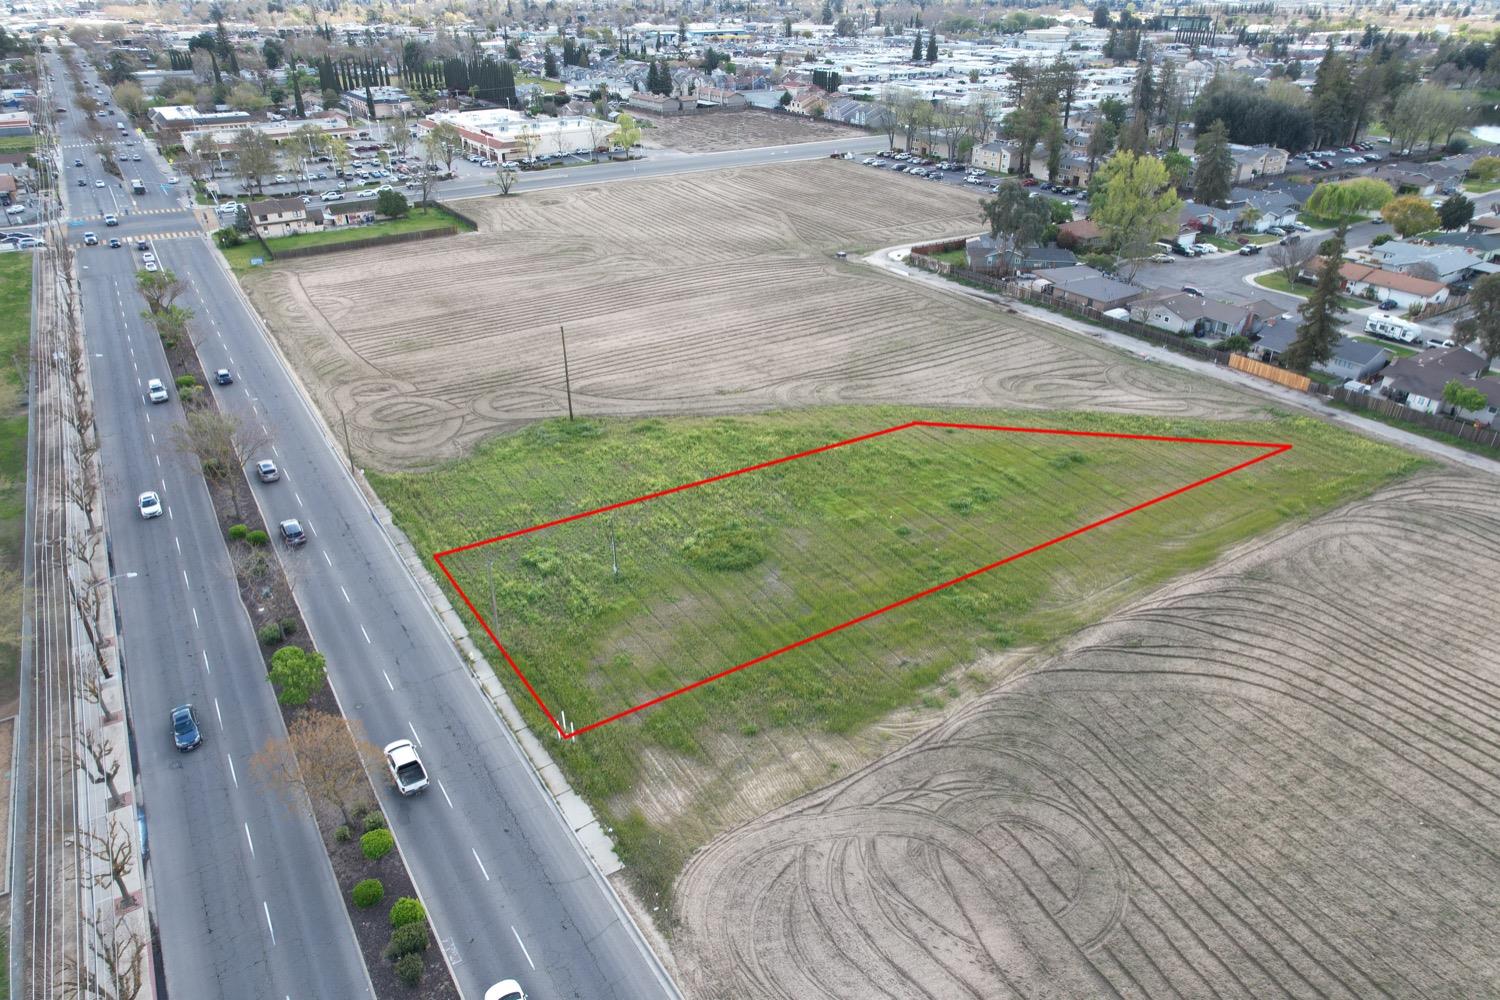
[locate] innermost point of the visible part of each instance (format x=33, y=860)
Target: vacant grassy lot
x=719, y=574
x=1278, y=283
x=420, y=219
x=15, y=337
x=17, y=144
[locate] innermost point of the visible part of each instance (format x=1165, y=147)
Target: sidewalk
x=890, y=259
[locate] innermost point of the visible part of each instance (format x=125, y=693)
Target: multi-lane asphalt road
x=243, y=893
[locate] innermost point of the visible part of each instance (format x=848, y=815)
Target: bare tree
x=505, y=179
x=1292, y=257
x=81, y=487
x=91, y=689
x=117, y=851
x=94, y=753
x=320, y=760
x=222, y=443
x=159, y=288
x=1425, y=270
x=117, y=951
x=89, y=603
x=173, y=323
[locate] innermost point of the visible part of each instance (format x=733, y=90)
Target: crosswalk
x=181, y=234
x=132, y=213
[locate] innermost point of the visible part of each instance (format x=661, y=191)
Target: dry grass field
x=719, y=131
x=1278, y=778
x=702, y=294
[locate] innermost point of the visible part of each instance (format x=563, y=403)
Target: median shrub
x=406, y=940
x=367, y=893
x=407, y=911
x=270, y=635
x=238, y=532
x=257, y=537
x=288, y=626
x=409, y=969
x=342, y=834
x=296, y=674
x=374, y=821
x=186, y=381
x=377, y=844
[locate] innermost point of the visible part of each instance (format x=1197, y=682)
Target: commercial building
x=503, y=135
x=389, y=102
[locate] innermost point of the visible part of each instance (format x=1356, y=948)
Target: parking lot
x=922, y=168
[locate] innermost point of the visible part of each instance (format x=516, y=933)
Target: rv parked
x=1391, y=328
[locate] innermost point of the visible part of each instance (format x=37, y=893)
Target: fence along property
x=920, y=257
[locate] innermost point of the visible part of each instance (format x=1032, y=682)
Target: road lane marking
x=298, y=496
x=445, y=794
x=219, y=714
x=158, y=461
x=185, y=583
x=252, y=854
x=233, y=777
x=328, y=560
x=205, y=662
x=273, y=929
x=387, y=679
x=365, y=634
x=169, y=515
x=414, y=732
x=346, y=594
x=195, y=619
x=311, y=528
x=278, y=455
x=153, y=436
x=178, y=542
x=487, y=878
x=518, y=941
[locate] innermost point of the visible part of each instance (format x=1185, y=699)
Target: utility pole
x=567, y=380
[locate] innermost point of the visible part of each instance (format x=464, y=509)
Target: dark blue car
x=185, y=732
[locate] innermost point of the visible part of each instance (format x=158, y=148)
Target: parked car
x=1389, y=304
x=406, y=767
x=292, y=533
x=1249, y=250
x=1276, y=231
x=99, y=184
x=185, y=732
x=1192, y=290
x=1290, y=239
x=156, y=391
x=1161, y=258
x=266, y=471
x=332, y=196
x=142, y=245
x=1436, y=343
x=149, y=504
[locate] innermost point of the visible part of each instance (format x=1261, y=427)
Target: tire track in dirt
x=1280, y=802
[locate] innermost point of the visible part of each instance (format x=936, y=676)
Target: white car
x=279, y=179
x=149, y=504
x=148, y=257
x=98, y=184
x=406, y=767
x=151, y=265
x=172, y=179
x=156, y=391
x=506, y=989
x=227, y=208
x=332, y=195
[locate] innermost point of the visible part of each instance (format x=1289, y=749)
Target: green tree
x=392, y=204
x=1344, y=201
x=1015, y=218
x=1214, y=174
x=916, y=47
x=1319, y=331
x=1179, y=167
x=1463, y=397
x=627, y=133
x=442, y=143
x=296, y=674
x=932, y=51
x=248, y=97
x=1332, y=100
x=1134, y=205
x=1455, y=212
x=130, y=98
x=254, y=157
x=1485, y=170
x=159, y=288
x=1482, y=326
x=1101, y=16
x=1410, y=214
x=549, y=63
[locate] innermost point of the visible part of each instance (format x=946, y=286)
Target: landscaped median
x=322, y=760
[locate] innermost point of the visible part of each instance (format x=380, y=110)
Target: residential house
x=1195, y=218
x=1418, y=382
x=809, y=101
x=1079, y=233
x=275, y=217
x=1404, y=289
x=1271, y=208
x=1447, y=264
x=1080, y=285
x=1407, y=179
x=984, y=255
x=1193, y=315
x=1485, y=224
x=1485, y=246
x=1352, y=359
x=1000, y=157
x=864, y=114
x=1257, y=161
x=722, y=97
x=7, y=189
x=668, y=104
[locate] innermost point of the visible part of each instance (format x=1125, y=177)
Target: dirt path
x=1278, y=778
x=711, y=293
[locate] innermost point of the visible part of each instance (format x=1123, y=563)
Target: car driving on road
x=156, y=391
x=292, y=533
x=222, y=377
x=266, y=471
x=185, y=732
x=507, y=989
x=406, y=767
x=149, y=504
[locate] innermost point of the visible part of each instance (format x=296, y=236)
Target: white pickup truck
x=406, y=767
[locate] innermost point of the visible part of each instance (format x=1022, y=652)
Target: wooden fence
x=1270, y=373
x=1487, y=437
x=373, y=241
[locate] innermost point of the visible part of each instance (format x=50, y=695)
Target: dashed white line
x=312, y=529
x=346, y=594
x=218, y=713
x=298, y=496
x=178, y=542
x=327, y=560
x=445, y=794
x=195, y=619
x=252, y=854
x=232, y=776
x=185, y=583
x=414, y=733
x=365, y=634
x=487, y=878
x=158, y=461
x=273, y=929
x=387, y=680
x=518, y=941
x=205, y=662
x=278, y=455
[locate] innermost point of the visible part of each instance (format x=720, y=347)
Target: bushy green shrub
x=367, y=893
x=407, y=911
x=409, y=969
x=406, y=940
x=296, y=674
x=238, y=532
x=257, y=537
x=270, y=635
x=288, y=626
x=186, y=381
x=342, y=834
x=377, y=844
x=374, y=821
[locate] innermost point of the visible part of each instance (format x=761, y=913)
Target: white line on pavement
x=252, y=854
x=519, y=942
x=414, y=732
x=328, y=560
x=445, y=794
x=365, y=634
x=298, y=496
x=205, y=662
x=346, y=594
x=486, y=877
x=219, y=714
x=195, y=619
x=387, y=680
x=273, y=929
x=178, y=542
x=185, y=583
x=232, y=776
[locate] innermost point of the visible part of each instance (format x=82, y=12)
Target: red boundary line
x=1273, y=449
